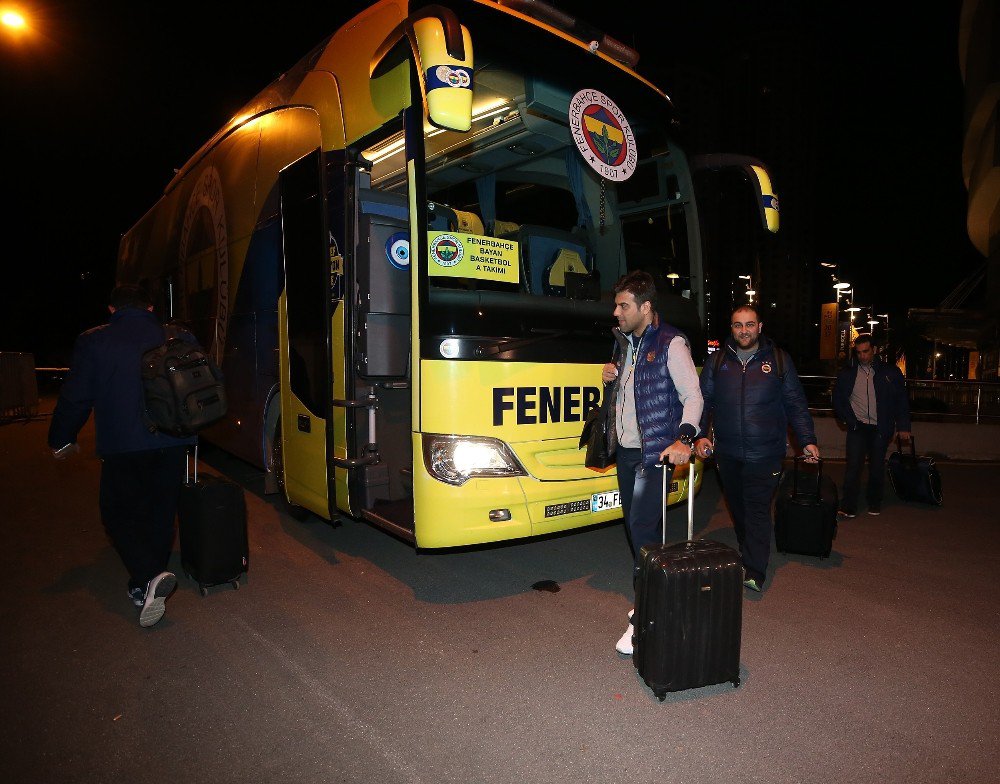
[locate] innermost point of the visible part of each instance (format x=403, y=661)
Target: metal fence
x=930, y=401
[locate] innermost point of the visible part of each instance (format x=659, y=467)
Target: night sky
x=106, y=99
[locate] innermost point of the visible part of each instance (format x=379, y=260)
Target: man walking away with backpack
x=142, y=469
x=752, y=394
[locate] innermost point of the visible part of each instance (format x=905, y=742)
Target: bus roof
x=347, y=55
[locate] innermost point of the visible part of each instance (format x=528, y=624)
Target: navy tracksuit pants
x=749, y=490
x=139, y=492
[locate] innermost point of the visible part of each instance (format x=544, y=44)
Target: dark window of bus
x=306, y=279
x=643, y=184
x=657, y=242
x=533, y=203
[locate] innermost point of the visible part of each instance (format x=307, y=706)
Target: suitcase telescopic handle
x=187, y=466
x=795, y=474
x=664, y=465
x=913, y=446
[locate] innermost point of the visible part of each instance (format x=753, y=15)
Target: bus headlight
x=457, y=459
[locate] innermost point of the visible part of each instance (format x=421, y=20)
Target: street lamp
x=886, y=317
x=13, y=20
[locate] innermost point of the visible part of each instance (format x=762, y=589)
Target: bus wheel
x=278, y=468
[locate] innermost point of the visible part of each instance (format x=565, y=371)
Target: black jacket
x=105, y=376
x=892, y=406
x=751, y=408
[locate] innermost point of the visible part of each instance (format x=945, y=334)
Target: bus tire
x=300, y=513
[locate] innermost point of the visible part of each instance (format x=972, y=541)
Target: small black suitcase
x=688, y=611
x=915, y=478
x=805, y=514
x=212, y=516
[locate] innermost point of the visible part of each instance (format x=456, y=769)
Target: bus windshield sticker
x=603, y=135
x=457, y=255
x=397, y=250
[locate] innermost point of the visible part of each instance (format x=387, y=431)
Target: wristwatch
x=686, y=440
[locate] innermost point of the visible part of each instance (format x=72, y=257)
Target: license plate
x=601, y=501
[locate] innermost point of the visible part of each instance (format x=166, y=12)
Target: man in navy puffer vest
x=657, y=407
x=752, y=396
x=141, y=469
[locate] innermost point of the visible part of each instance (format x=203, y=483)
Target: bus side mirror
x=443, y=51
x=760, y=181
x=446, y=70
x=767, y=198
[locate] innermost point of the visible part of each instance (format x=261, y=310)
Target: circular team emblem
x=765, y=368
x=603, y=135
x=453, y=77
x=397, y=250
x=651, y=356
x=447, y=250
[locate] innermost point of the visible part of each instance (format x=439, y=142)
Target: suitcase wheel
x=236, y=584
x=203, y=590
x=660, y=695
x=736, y=682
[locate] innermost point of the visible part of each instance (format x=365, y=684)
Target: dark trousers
x=138, y=505
x=749, y=490
x=865, y=442
x=642, y=500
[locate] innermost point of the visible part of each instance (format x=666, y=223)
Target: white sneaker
x=159, y=588
x=624, y=645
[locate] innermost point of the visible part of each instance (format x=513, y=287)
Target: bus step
x=396, y=517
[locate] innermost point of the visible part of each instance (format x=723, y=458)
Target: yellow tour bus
x=402, y=251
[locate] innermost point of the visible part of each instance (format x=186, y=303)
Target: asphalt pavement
x=347, y=656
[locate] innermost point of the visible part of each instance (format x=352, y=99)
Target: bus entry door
x=303, y=340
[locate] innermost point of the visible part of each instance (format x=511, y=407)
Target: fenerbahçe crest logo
x=447, y=250
x=603, y=135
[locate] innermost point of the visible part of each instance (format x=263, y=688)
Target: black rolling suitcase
x=688, y=610
x=805, y=514
x=212, y=514
x=915, y=478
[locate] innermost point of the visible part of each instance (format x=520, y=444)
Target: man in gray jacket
x=657, y=407
x=870, y=398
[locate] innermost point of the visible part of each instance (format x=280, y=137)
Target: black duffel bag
x=598, y=435
x=914, y=478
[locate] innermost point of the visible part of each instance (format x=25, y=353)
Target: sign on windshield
x=456, y=255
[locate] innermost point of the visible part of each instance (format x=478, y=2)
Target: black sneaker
x=137, y=596
x=155, y=604
x=875, y=510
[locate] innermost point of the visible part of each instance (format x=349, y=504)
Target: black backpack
x=183, y=388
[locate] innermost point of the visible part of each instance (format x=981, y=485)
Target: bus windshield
x=566, y=181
